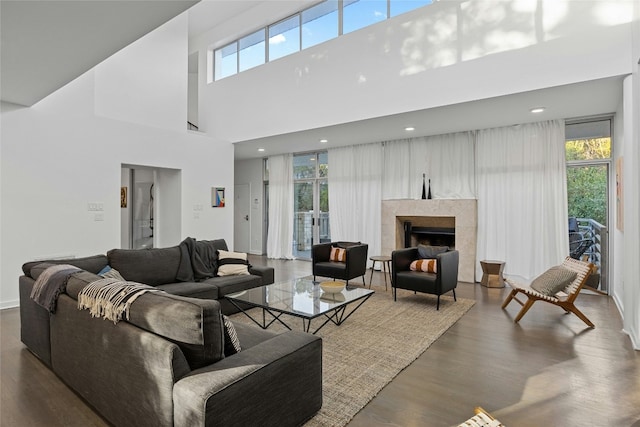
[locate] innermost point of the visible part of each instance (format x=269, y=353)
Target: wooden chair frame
x=563, y=299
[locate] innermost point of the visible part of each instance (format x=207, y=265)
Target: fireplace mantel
x=463, y=211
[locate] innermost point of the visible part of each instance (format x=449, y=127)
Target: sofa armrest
x=265, y=272
x=321, y=252
x=448, y=270
x=356, y=258
x=280, y=377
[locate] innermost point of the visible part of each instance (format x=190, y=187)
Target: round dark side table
x=386, y=268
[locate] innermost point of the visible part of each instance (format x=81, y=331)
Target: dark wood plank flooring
x=549, y=370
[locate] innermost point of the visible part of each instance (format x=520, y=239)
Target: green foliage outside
x=587, y=185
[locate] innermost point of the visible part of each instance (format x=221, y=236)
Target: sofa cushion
x=155, y=266
x=191, y=289
x=231, y=284
x=93, y=264
x=195, y=325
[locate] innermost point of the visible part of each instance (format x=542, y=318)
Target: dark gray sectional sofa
x=165, y=365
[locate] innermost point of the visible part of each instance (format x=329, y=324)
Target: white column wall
x=631, y=245
x=59, y=156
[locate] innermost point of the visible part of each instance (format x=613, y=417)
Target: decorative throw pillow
x=553, y=280
x=111, y=273
x=425, y=251
x=425, y=265
x=231, y=341
x=338, y=254
x=232, y=263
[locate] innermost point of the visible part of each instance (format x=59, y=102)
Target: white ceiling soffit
x=47, y=44
x=563, y=102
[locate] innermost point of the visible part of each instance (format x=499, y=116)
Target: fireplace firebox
x=433, y=236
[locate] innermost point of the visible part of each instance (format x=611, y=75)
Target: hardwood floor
x=549, y=370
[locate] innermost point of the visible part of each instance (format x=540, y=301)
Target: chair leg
x=524, y=310
x=314, y=277
x=438, y=304
x=394, y=293
x=581, y=315
x=509, y=298
x=365, y=283
x=454, y=295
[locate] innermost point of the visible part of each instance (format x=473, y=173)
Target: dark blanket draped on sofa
x=199, y=259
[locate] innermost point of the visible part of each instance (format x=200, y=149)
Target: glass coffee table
x=301, y=298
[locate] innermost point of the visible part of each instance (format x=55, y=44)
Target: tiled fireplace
x=433, y=221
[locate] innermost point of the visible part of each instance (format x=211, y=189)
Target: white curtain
x=522, y=197
x=280, y=232
x=355, y=194
x=447, y=160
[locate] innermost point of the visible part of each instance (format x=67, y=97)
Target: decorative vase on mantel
x=425, y=194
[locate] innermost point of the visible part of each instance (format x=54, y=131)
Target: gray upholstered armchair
x=354, y=265
x=444, y=280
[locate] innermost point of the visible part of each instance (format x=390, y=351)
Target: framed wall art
x=217, y=197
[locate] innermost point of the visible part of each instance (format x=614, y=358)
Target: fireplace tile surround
x=462, y=213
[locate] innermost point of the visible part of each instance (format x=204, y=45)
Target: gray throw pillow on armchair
x=425, y=251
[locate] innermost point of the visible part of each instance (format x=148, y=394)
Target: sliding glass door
x=310, y=203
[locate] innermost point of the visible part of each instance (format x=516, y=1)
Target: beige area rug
x=370, y=348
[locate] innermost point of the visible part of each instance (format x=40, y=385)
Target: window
x=284, y=38
x=307, y=28
x=361, y=13
x=252, y=50
x=226, y=61
x=397, y=7
x=319, y=23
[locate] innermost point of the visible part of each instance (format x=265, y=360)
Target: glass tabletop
x=300, y=297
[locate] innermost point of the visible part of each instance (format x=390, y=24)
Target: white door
x=242, y=220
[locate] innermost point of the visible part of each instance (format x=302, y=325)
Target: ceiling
x=563, y=102
x=46, y=44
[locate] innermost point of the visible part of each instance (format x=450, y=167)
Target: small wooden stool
x=492, y=273
x=386, y=268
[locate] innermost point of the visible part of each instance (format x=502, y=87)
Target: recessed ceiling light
x=537, y=110
x=409, y=128
x=324, y=141
x=313, y=159
x=261, y=149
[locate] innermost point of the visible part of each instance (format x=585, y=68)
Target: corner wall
x=67, y=152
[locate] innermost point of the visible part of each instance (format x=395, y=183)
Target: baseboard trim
x=9, y=304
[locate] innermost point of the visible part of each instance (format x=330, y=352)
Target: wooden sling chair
x=563, y=299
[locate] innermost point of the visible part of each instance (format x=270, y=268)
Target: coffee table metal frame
x=335, y=313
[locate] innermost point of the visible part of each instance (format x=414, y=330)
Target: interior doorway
x=150, y=207
x=241, y=218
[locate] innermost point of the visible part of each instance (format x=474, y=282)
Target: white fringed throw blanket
x=111, y=298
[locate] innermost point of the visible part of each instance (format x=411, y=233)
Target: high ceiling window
x=312, y=26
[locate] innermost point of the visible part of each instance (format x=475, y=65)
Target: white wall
x=447, y=53
x=631, y=153
x=59, y=156
x=250, y=172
